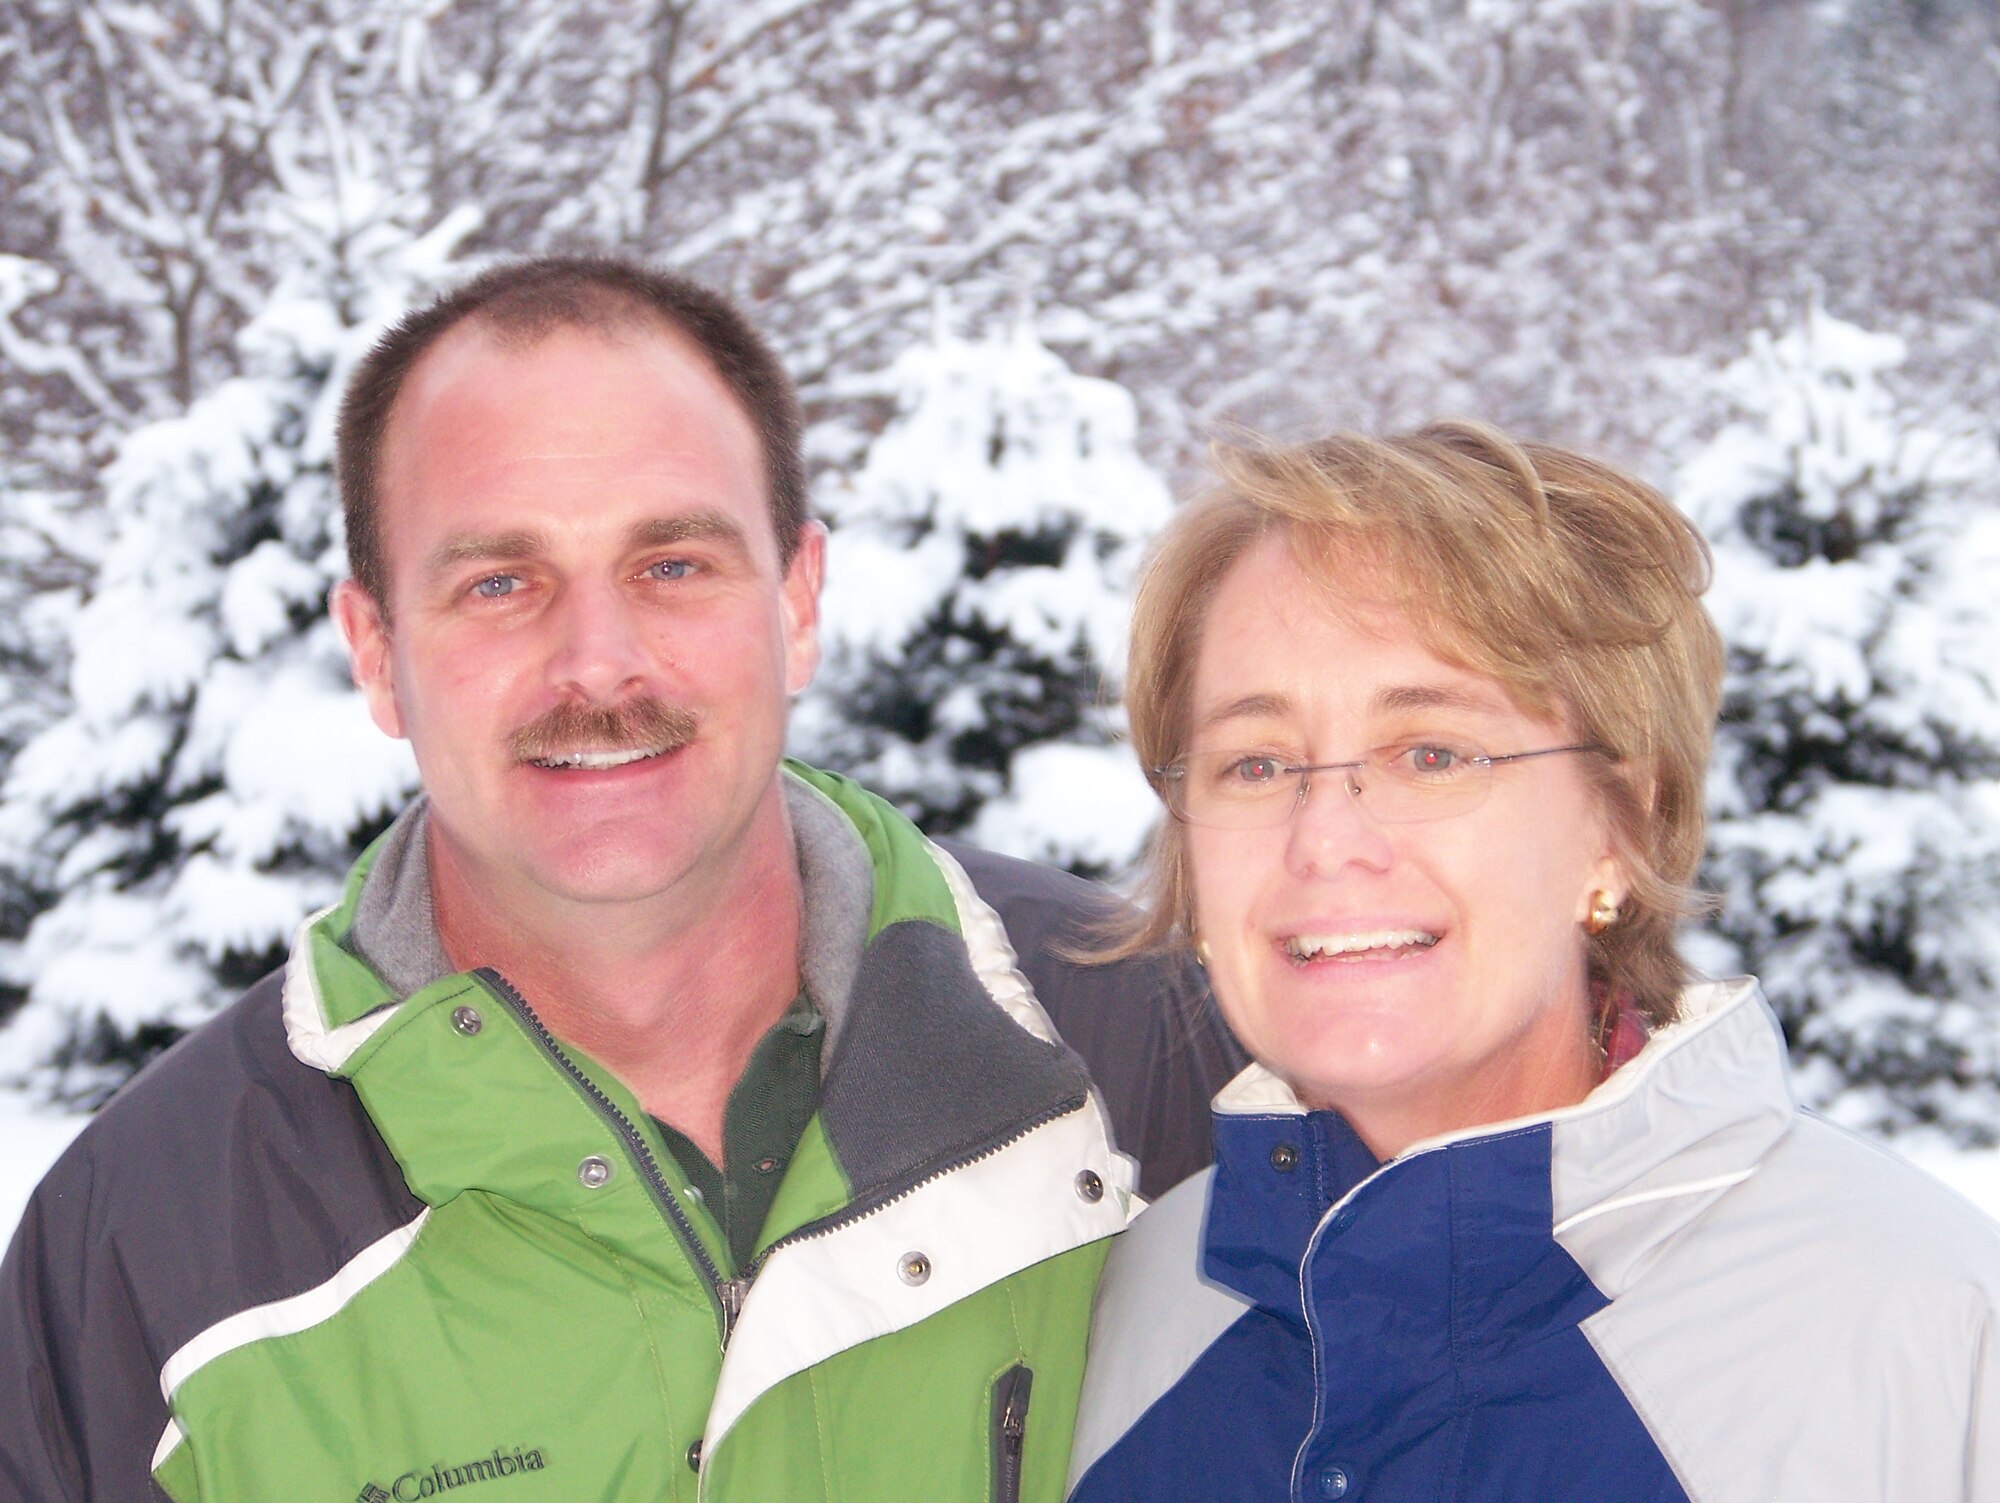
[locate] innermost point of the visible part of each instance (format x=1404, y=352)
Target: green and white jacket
x=355, y=1242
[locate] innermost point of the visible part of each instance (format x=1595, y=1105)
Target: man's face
x=590, y=638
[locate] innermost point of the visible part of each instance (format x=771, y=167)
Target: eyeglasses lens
x=1241, y=790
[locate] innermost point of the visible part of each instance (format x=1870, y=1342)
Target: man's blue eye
x=670, y=568
x=494, y=586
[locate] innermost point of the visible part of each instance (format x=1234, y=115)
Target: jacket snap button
x=594, y=1173
x=1089, y=1186
x=1334, y=1482
x=467, y=1020
x=694, y=1456
x=1284, y=1158
x=913, y=1269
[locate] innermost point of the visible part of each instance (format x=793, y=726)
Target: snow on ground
x=31, y=1137
x=1974, y=1173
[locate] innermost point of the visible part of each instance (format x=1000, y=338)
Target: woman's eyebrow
x=1247, y=707
x=1435, y=697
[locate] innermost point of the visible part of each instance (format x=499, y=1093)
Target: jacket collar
x=393, y=928
x=937, y=1049
x=1620, y=1173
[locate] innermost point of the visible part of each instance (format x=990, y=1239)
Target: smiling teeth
x=1306, y=946
x=597, y=761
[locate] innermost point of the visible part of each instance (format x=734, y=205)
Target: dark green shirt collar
x=762, y=1122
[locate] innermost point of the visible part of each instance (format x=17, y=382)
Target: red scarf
x=1621, y=1031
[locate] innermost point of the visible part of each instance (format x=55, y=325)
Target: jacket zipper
x=861, y=1210
x=727, y=1293
x=1010, y=1430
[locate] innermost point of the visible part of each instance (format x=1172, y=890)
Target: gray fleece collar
x=395, y=928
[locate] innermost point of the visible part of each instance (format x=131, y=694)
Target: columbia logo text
x=419, y=1482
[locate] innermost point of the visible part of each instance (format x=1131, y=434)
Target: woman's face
x=1415, y=977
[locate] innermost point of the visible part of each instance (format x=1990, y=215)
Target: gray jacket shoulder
x=1147, y=1027
x=1823, y=1329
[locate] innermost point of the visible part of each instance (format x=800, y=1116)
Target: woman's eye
x=670, y=568
x=1254, y=769
x=1432, y=758
x=494, y=586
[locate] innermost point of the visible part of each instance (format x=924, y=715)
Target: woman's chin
x=1341, y=1026
x=1367, y=1059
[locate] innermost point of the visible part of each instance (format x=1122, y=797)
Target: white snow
x=1086, y=804
x=980, y=568
x=1851, y=833
x=1972, y=1172
x=31, y=1139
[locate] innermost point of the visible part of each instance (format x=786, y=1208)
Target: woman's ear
x=1603, y=896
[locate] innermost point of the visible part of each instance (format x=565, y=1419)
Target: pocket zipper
x=1010, y=1430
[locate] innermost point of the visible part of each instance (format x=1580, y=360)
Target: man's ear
x=803, y=578
x=357, y=616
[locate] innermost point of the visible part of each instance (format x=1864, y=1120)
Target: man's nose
x=1333, y=827
x=599, y=649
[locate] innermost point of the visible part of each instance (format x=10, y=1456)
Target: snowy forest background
x=1026, y=258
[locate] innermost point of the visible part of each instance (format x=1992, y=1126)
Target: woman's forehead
x=1282, y=642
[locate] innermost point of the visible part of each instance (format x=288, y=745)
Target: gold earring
x=1201, y=951
x=1603, y=913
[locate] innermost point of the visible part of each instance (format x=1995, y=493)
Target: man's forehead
x=479, y=346
x=582, y=376
x=631, y=411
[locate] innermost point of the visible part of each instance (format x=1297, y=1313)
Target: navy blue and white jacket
x=1682, y=1288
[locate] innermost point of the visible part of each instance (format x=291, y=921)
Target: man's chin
x=611, y=871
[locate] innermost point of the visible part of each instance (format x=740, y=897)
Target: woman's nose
x=1333, y=827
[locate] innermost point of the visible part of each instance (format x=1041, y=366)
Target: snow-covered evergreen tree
x=215, y=773
x=1855, y=842
x=977, y=577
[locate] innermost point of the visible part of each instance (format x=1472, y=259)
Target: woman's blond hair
x=1573, y=586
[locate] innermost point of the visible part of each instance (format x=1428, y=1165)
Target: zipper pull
x=1014, y=1422
x=731, y=1293
x=1010, y=1430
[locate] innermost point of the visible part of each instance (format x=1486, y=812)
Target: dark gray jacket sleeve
x=1147, y=1028
x=226, y=1175
x=80, y=1404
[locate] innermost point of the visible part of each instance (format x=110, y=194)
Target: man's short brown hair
x=525, y=302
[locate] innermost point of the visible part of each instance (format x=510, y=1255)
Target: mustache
x=649, y=723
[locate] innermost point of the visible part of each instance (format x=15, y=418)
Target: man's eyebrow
x=1436, y=697
x=1248, y=707
x=485, y=547
x=691, y=527
x=659, y=532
